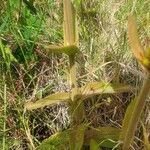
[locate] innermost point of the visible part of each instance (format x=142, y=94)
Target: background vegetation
x=27, y=72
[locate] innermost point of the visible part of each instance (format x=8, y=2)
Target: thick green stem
x=76, y=105
x=73, y=81
x=71, y=38
x=137, y=108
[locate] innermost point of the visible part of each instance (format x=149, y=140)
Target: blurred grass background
x=27, y=72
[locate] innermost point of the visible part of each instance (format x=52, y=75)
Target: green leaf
x=89, y=90
x=95, y=88
x=94, y=145
x=63, y=140
x=133, y=114
x=49, y=100
x=107, y=136
x=109, y=143
x=126, y=121
x=77, y=137
x=58, y=141
x=77, y=4
x=9, y=55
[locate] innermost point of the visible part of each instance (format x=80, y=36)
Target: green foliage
x=94, y=145
x=57, y=141
x=105, y=136
x=128, y=115
x=77, y=4
x=95, y=138
x=7, y=55
x=30, y=6
x=76, y=139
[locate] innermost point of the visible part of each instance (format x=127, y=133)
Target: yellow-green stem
x=76, y=105
x=73, y=81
